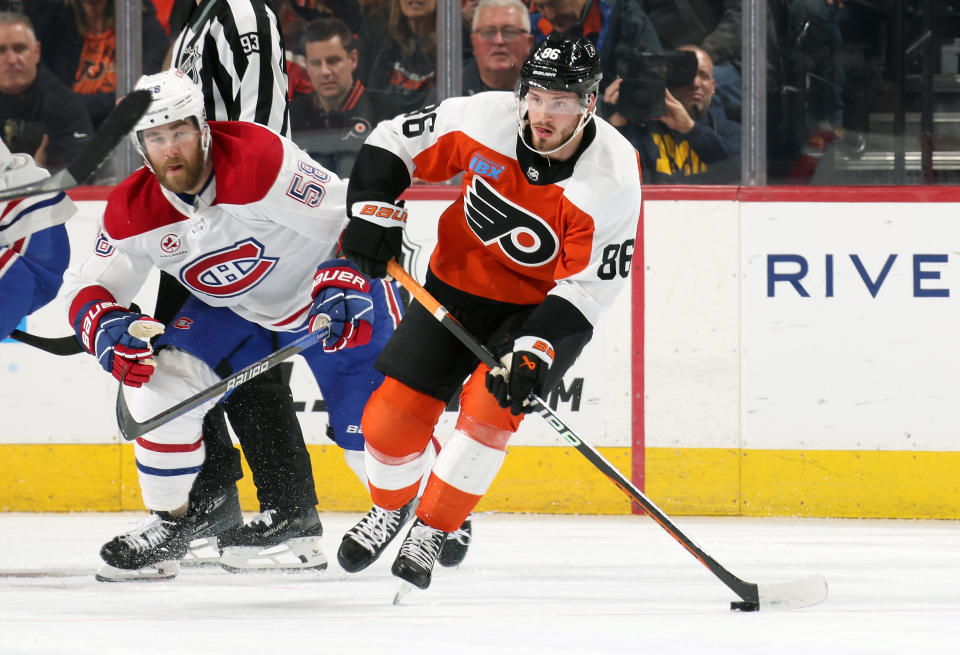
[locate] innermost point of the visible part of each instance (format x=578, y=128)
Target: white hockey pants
x=170, y=457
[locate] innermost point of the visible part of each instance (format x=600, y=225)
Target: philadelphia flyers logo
x=230, y=271
x=524, y=237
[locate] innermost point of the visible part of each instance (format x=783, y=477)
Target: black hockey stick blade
x=130, y=428
x=53, y=345
x=784, y=595
x=117, y=125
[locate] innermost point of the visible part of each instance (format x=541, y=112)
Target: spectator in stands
x=610, y=25
x=501, y=41
x=692, y=142
x=332, y=122
x=295, y=15
x=398, y=51
x=82, y=52
x=714, y=26
x=39, y=115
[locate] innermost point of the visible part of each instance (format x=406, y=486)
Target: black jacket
x=333, y=138
x=714, y=25
x=46, y=107
x=63, y=46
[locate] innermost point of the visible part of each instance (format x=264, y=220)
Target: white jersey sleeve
x=112, y=272
x=21, y=218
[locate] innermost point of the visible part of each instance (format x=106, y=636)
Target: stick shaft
x=746, y=590
x=117, y=125
x=54, y=345
x=130, y=428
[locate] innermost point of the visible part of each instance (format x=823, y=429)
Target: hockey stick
x=63, y=346
x=117, y=125
x=784, y=595
x=53, y=345
x=130, y=428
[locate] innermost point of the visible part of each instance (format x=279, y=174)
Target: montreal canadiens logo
x=103, y=247
x=170, y=243
x=230, y=271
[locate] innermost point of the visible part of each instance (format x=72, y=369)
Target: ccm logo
x=243, y=377
x=385, y=211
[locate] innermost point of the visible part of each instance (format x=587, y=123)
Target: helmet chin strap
x=524, y=121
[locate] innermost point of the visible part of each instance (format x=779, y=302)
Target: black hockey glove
x=374, y=236
x=524, y=372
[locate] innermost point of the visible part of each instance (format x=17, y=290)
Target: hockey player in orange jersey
x=528, y=258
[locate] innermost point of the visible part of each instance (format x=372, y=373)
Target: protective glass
x=179, y=137
x=508, y=33
x=550, y=102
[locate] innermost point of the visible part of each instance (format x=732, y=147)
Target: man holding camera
x=691, y=141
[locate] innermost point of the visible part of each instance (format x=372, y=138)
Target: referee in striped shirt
x=234, y=51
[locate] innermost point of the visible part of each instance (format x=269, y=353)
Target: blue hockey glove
x=524, y=372
x=119, y=339
x=374, y=236
x=341, y=298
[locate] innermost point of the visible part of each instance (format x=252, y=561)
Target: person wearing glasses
x=250, y=224
x=501, y=40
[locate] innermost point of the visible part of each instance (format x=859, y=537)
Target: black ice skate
x=418, y=552
x=214, y=517
x=366, y=541
x=276, y=539
x=455, y=545
x=152, y=550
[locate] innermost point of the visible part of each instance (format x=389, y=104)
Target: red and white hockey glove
x=341, y=299
x=524, y=372
x=119, y=339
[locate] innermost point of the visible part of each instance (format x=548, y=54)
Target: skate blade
x=154, y=572
x=295, y=554
x=202, y=552
x=403, y=588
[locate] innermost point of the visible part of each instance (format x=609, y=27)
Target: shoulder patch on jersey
x=136, y=206
x=247, y=158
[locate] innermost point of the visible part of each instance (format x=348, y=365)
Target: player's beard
x=184, y=180
x=556, y=139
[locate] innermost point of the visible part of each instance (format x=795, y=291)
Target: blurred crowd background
x=787, y=92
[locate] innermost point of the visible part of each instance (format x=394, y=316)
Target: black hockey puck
x=745, y=606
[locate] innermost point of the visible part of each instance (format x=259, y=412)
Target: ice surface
x=530, y=584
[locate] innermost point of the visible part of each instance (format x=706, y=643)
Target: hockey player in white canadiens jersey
x=34, y=250
x=233, y=50
x=249, y=224
x=527, y=259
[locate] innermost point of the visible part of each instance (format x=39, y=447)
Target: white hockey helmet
x=175, y=98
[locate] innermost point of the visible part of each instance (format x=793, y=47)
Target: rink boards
x=800, y=358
